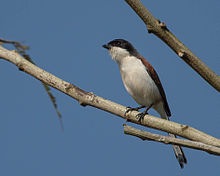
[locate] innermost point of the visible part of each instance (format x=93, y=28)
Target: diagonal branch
x=160, y=30
x=21, y=49
x=144, y=135
x=88, y=98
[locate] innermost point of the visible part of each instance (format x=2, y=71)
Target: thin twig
x=8, y=41
x=21, y=49
x=144, y=135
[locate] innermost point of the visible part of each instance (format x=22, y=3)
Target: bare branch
x=144, y=135
x=88, y=98
x=160, y=30
x=21, y=49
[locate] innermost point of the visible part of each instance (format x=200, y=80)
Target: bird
x=143, y=84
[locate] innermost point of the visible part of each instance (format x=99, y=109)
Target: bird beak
x=107, y=46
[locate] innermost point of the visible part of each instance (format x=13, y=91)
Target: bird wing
x=153, y=74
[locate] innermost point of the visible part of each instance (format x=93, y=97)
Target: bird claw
x=133, y=109
x=130, y=109
x=141, y=115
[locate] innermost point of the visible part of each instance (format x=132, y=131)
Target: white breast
x=138, y=82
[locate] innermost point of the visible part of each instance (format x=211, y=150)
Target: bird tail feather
x=180, y=156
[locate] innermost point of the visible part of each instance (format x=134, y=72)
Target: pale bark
x=88, y=98
x=144, y=135
x=160, y=30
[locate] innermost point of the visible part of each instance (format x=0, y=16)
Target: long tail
x=180, y=156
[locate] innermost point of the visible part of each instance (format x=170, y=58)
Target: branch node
x=82, y=103
x=165, y=141
x=181, y=53
x=68, y=87
x=149, y=28
x=92, y=97
x=79, y=91
x=20, y=67
x=162, y=25
x=184, y=127
x=14, y=51
x=143, y=139
x=127, y=119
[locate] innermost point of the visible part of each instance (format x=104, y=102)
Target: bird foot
x=133, y=109
x=141, y=115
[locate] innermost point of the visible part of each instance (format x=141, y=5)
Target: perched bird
x=142, y=83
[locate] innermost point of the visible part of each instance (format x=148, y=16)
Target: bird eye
x=118, y=43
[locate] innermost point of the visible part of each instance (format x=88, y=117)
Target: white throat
x=118, y=54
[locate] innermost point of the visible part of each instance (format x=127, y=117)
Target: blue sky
x=66, y=38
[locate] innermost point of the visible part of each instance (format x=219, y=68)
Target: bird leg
x=142, y=114
x=133, y=109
